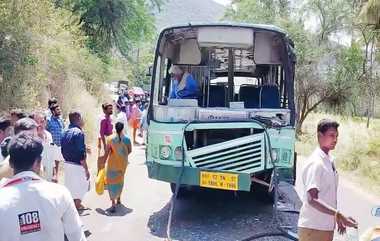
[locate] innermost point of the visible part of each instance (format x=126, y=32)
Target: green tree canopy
x=371, y=13
x=112, y=24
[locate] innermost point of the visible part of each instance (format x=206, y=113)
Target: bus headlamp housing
x=178, y=154
x=165, y=152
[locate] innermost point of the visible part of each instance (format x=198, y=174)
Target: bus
x=242, y=124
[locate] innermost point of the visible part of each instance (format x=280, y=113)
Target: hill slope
x=175, y=12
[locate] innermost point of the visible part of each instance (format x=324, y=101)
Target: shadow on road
x=121, y=210
x=213, y=215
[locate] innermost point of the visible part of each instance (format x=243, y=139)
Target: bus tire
x=261, y=191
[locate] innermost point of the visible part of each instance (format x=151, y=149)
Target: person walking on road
x=134, y=120
x=319, y=215
x=116, y=157
x=32, y=209
x=76, y=170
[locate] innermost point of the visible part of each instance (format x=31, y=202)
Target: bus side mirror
x=376, y=211
x=150, y=71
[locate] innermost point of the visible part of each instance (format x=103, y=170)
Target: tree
x=347, y=74
x=314, y=53
x=140, y=64
x=331, y=16
x=260, y=11
x=19, y=26
x=112, y=24
x=370, y=13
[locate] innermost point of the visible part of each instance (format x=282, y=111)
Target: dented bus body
x=220, y=140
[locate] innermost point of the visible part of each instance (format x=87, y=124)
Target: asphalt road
x=210, y=215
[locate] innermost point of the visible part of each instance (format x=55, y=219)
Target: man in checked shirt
x=56, y=126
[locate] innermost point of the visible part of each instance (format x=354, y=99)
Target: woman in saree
x=118, y=148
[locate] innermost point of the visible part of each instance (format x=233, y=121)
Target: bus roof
x=267, y=27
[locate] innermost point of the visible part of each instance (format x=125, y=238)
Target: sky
x=224, y=2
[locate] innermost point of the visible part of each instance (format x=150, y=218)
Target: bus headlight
x=165, y=152
x=275, y=154
x=286, y=155
x=178, y=155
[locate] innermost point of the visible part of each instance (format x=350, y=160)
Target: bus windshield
x=224, y=67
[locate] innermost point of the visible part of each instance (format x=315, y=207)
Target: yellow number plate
x=218, y=180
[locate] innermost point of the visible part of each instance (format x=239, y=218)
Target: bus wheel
x=181, y=192
x=261, y=191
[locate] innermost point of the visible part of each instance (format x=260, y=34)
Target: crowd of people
x=32, y=147
x=133, y=111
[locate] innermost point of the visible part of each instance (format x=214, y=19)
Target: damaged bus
x=241, y=124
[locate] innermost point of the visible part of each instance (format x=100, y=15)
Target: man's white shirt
x=37, y=210
x=318, y=173
x=48, y=156
x=122, y=117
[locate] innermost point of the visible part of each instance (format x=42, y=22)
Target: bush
x=41, y=56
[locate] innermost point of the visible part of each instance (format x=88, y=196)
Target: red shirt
x=106, y=126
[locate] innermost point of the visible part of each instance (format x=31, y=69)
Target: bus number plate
x=217, y=180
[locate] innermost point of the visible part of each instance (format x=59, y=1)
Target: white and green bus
x=243, y=121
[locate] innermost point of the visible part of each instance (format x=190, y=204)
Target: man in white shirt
x=48, y=157
x=319, y=214
x=32, y=209
x=123, y=118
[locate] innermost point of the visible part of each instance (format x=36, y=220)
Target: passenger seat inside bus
x=270, y=97
x=217, y=96
x=250, y=95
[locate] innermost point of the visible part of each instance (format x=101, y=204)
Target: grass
x=357, y=152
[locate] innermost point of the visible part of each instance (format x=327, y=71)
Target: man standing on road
x=105, y=130
x=32, y=209
x=74, y=152
x=319, y=215
x=55, y=126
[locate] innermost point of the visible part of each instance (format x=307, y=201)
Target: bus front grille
x=240, y=155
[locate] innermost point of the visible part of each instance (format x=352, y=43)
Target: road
x=204, y=215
